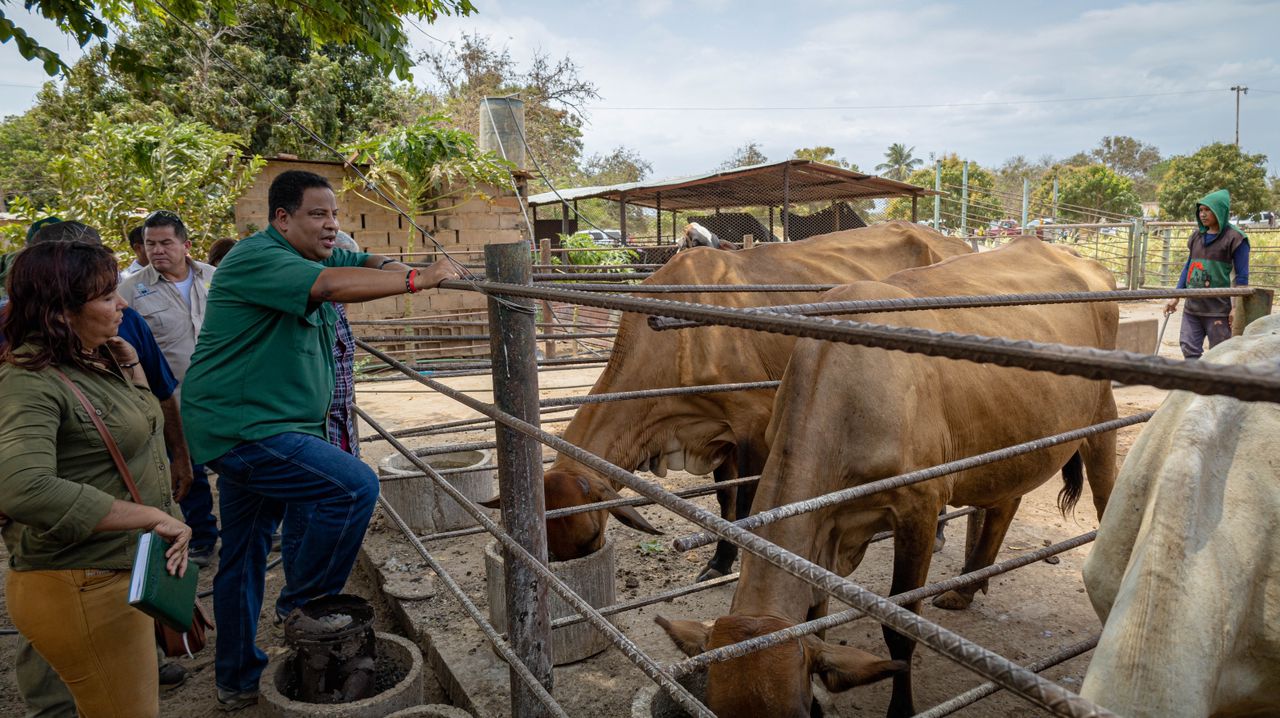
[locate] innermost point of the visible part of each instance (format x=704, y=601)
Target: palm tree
x=898, y=162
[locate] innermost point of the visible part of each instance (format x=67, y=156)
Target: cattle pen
x=514, y=291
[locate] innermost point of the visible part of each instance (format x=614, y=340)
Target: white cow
x=1186, y=568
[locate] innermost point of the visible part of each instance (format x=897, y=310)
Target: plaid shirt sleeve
x=342, y=419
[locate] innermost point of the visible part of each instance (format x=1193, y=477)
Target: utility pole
x=1238, y=89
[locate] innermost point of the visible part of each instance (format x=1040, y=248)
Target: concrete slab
x=1138, y=335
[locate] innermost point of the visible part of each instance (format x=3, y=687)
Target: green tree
x=374, y=27
x=1130, y=158
x=1213, y=167
x=1009, y=179
x=983, y=204
x=899, y=162
x=418, y=165
x=120, y=171
x=462, y=74
x=1088, y=194
x=745, y=156
x=617, y=167
x=825, y=155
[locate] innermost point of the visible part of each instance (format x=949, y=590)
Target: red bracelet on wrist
x=410, y=281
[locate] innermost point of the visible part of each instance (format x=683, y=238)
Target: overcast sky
x=686, y=83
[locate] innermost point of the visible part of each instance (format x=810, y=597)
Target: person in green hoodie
x=1215, y=250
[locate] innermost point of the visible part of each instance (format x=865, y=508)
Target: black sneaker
x=172, y=674
x=229, y=701
x=201, y=556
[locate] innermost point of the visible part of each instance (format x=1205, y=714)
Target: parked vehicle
x=606, y=237
x=1004, y=228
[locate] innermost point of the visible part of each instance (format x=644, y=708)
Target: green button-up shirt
x=263, y=364
x=57, y=479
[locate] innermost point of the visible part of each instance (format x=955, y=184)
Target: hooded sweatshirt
x=1211, y=257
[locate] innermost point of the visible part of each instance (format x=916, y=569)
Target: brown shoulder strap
x=116, y=456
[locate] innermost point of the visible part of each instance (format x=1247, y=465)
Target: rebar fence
x=517, y=416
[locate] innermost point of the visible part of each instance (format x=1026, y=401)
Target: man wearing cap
x=171, y=293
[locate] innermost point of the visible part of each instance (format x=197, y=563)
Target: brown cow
x=722, y=432
x=848, y=415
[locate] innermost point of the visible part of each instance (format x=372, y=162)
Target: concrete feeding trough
x=591, y=577
x=426, y=508
x=398, y=685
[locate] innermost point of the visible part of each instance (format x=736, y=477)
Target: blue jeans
x=296, y=519
x=256, y=481
x=197, y=509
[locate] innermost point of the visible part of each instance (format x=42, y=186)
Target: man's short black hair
x=165, y=218
x=135, y=237
x=286, y=190
x=65, y=232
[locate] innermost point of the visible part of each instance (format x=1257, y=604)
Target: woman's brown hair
x=46, y=283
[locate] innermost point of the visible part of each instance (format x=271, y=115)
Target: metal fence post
x=964, y=200
x=1133, y=273
x=1251, y=307
x=1026, y=196
x=937, y=198
x=549, y=349
x=512, y=330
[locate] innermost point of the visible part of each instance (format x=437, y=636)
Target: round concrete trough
x=424, y=507
x=398, y=659
x=435, y=710
x=591, y=577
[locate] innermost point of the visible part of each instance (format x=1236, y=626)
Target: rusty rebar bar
x=866, y=306
x=951, y=645
x=751, y=645
x=694, y=288
x=976, y=694
x=1260, y=382
x=620, y=640
x=853, y=493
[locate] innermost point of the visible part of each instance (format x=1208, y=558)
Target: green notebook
x=157, y=593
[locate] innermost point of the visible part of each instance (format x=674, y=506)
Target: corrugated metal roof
x=754, y=185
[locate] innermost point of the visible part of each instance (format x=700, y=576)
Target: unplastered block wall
x=461, y=226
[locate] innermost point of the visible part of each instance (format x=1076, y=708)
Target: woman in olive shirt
x=72, y=529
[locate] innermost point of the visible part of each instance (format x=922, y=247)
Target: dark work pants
x=1194, y=330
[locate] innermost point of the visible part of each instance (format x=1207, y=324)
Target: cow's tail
x=1072, y=484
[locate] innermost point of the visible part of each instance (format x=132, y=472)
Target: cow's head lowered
x=580, y=534
x=773, y=681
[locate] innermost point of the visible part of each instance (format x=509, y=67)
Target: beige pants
x=101, y=647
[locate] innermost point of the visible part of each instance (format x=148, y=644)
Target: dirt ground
x=1027, y=614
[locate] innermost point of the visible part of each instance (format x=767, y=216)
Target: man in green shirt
x=255, y=402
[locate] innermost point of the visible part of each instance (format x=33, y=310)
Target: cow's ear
x=689, y=636
x=843, y=667
x=602, y=491
x=493, y=503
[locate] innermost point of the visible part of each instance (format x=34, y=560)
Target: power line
x=941, y=105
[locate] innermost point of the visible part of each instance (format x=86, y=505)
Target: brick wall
x=462, y=227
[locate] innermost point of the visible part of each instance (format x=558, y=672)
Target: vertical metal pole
x=622, y=216
x=786, y=202
x=1136, y=255
x=1251, y=307
x=937, y=198
x=549, y=317
x=564, y=218
x=1166, y=258
x=914, y=214
x=770, y=239
x=519, y=458
x=1055, y=199
x=1026, y=197
x=658, y=236
x=964, y=200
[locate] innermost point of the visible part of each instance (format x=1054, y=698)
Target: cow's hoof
x=953, y=601
x=708, y=573
x=938, y=543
